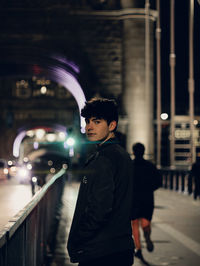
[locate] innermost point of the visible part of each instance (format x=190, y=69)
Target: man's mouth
x=91, y=134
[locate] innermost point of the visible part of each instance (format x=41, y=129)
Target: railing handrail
x=175, y=169
x=180, y=179
x=13, y=224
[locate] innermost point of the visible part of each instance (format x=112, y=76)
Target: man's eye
x=96, y=121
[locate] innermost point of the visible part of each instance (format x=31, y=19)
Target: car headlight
x=23, y=172
x=5, y=171
x=70, y=141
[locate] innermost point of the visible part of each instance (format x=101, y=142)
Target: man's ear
x=112, y=125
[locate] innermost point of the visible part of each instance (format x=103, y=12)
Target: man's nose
x=89, y=126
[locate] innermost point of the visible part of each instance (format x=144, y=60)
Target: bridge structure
x=57, y=55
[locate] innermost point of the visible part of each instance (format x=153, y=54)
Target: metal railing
x=29, y=236
x=175, y=179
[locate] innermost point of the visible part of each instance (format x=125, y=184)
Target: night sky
x=182, y=55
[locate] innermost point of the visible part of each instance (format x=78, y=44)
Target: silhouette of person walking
x=146, y=179
x=195, y=175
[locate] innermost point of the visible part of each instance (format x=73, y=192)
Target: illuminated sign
x=185, y=133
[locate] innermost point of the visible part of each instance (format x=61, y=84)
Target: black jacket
x=146, y=179
x=101, y=223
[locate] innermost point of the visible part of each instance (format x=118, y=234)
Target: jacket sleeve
x=99, y=201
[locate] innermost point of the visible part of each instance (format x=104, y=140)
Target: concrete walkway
x=13, y=198
x=175, y=229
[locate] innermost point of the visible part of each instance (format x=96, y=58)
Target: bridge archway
x=22, y=134
x=39, y=62
x=29, y=61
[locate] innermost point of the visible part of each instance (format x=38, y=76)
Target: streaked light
x=70, y=82
x=83, y=126
x=164, y=116
x=66, y=61
x=17, y=143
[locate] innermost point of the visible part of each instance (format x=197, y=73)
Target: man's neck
x=110, y=136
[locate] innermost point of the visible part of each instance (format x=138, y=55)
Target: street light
x=164, y=116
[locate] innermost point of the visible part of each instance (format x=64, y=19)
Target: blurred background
x=57, y=54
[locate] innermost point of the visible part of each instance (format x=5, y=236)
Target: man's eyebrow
x=95, y=118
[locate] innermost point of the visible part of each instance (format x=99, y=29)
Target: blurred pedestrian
x=194, y=175
x=146, y=180
x=100, y=233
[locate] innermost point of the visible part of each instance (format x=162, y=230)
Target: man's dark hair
x=138, y=149
x=101, y=108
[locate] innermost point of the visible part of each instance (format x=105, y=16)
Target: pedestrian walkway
x=14, y=197
x=175, y=229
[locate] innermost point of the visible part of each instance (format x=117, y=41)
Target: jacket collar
x=107, y=143
x=99, y=148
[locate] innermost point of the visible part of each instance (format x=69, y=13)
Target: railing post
x=182, y=182
x=177, y=181
x=171, y=179
x=165, y=179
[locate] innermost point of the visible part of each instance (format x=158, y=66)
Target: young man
x=101, y=234
x=146, y=180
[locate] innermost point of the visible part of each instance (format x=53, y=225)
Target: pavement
x=13, y=198
x=175, y=229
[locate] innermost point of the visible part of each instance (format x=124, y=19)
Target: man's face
x=98, y=129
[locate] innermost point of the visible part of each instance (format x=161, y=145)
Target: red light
x=36, y=69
